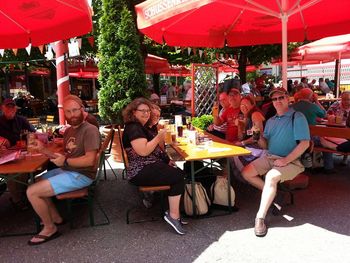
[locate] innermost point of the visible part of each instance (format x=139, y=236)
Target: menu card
x=7, y=156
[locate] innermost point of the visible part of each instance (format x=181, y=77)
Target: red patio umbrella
x=177, y=71
x=42, y=21
x=155, y=64
x=325, y=50
x=214, y=23
x=329, y=48
x=38, y=22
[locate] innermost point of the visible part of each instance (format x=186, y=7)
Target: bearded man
x=75, y=168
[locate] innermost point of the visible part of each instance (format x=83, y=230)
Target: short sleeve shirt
x=11, y=129
x=78, y=141
x=310, y=110
x=133, y=131
x=337, y=107
x=229, y=116
x=282, y=134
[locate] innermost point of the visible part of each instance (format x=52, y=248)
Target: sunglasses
x=278, y=98
x=144, y=111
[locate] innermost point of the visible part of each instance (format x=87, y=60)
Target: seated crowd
x=276, y=143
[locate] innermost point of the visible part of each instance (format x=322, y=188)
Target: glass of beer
x=173, y=137
x=168, y=138
x=31, y=143
x=180, y=131
x=215, y=110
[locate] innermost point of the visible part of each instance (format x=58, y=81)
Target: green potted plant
x=202, y=122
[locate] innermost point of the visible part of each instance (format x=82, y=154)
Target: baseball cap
x=8, y=101
x=277, y=90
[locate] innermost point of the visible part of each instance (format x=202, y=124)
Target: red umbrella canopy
x=209, y=23
x=214, y=23
x=177, y=71
x=155, y=64
x=326, y=49
x=42, y=21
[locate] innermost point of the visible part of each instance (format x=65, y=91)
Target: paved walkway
x=315, y=229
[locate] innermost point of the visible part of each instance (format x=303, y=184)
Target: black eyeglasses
x=144, y=111
x=278, y=98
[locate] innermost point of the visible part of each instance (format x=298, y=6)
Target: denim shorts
x=63, y=181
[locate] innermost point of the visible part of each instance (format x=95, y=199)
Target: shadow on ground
x=315, y=229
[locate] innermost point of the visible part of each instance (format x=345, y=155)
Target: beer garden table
x=218, y=149
x=27, y=164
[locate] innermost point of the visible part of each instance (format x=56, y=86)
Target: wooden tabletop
x=217, y=149
x=27, y=164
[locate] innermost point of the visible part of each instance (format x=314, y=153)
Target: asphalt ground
x=315, y=229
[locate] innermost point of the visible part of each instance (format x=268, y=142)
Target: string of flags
x=74, y=47
x=203, y=53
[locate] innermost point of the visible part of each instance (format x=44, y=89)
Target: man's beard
x=75, y=121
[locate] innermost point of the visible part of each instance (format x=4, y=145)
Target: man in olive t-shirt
x=76, y=168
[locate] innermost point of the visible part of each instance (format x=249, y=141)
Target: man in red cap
x=11, y=126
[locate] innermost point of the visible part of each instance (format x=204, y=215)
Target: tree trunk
x=242, y=65
x=156, y=83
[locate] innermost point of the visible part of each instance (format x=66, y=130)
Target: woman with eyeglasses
x=250, y=128
x=147, y=166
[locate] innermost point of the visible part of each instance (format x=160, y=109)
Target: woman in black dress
x=147, y=165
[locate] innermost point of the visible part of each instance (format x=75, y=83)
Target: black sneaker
x=175, y=223
x=182, y=221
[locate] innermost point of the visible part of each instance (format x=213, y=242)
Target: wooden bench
x=89, y=193
x=326, y=131
x=142, y=189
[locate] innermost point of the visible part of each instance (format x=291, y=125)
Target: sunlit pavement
x=315, y=229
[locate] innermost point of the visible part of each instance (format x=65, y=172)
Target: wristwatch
x=65, y=163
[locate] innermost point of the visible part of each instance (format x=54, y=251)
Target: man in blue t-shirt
x=282, y=162
x=308, y=104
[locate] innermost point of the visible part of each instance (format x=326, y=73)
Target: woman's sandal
x=44, y=238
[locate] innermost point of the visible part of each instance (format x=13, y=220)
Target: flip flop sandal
x=44, y=238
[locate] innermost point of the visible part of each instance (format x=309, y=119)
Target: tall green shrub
x=121, y=67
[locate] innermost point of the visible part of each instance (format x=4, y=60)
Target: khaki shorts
x=265, y=163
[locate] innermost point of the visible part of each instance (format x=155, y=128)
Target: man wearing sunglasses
x=282, y=163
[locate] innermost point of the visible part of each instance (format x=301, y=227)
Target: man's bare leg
x=269, y=192
x=251, y=175
x=38, y=194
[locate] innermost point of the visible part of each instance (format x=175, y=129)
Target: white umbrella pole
x=284, y=20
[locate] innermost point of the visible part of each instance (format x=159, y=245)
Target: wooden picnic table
x=217, y=149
